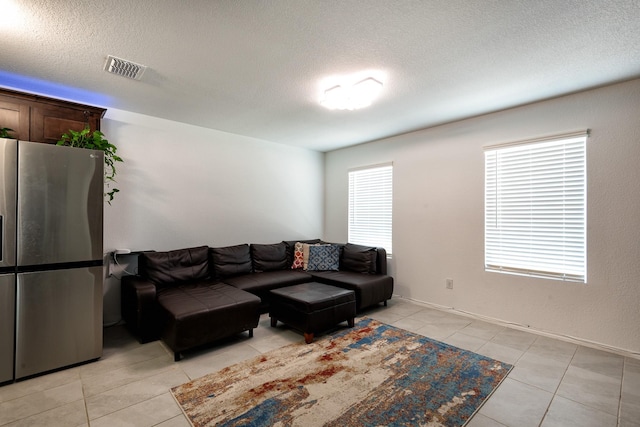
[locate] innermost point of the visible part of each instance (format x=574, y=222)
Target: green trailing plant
x=4, y=132
x=96, y=141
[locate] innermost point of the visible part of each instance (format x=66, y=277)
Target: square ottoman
x=312, y=307
x=195, y=314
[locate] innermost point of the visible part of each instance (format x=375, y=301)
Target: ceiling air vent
x=124, y=68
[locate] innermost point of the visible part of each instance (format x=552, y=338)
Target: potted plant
x=96, y=141
x=4, y=132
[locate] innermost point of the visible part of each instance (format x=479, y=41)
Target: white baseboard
x=527, y=328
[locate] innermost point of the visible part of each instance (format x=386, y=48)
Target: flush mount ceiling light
x=12, y=16
x=352, y=97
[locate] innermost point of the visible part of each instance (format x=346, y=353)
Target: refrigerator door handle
x=1, y=237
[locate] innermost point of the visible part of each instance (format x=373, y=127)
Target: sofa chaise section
x=197, y=314
x=175, y=298
x=363, y=270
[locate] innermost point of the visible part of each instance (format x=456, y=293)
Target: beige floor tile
x=409, y=324
x=630, y=402
x=429, y=315
x=592, y=389
x=220, y=346
x=179, y=421
x=538, y=371
x=387, y=317
x=399, y=307
x=69, y=415
x=517, y=405
x=119, y=398
x=480, y=420
x=553, y=349
x=97, y=384
x=39, y=402
x=448, y=320
x=208, y=362
x=628, y=413
x=264, y=328
x=436, y=332
x=285, y=337
x=482, y=330
x=628, y=423
x=466, y=342
x=457, y=325
x=142, y=353
x=632, y=375
x=598, y=361
x=514, y=338
x=148, y=413
x=117, y=339
x=567, y=413
x=500, y=352
x=38, y=384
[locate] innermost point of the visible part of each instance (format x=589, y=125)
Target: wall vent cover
x=124, y=68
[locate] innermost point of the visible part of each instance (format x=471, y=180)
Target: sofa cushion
x=324, y=258
x=370, y=289
x=357, y=258
x=173, y=267
x=261, y=283
x=258, y=282
x=269, y=257
x=230, y=261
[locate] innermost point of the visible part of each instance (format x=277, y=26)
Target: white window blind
x=535, y=208
x=370, y=206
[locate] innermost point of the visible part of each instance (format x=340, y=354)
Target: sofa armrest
x=381, y=261
x=140, y=308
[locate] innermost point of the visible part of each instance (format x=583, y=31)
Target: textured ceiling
x=255, y=68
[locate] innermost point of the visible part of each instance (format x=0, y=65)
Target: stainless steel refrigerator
x=51, y=202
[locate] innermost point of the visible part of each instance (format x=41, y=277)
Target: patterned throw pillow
x=298, y=259
x=324, y=258
x=305, y=253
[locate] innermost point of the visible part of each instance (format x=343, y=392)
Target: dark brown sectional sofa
x=194, y=296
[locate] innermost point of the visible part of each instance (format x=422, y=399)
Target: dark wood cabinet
x=41, y=119
x=14, y=115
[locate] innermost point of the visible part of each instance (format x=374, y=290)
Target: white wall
x=439, y=227
x=182, y=186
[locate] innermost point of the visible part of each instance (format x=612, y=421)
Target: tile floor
x=553, y=383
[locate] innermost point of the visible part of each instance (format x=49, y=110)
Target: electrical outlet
x=449, y=283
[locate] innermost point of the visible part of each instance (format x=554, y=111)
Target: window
x=370, y=206
x=535, y=208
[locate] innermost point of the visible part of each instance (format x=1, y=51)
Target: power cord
x=123, y=268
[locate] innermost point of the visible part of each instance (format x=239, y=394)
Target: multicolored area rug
x=371, y=375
